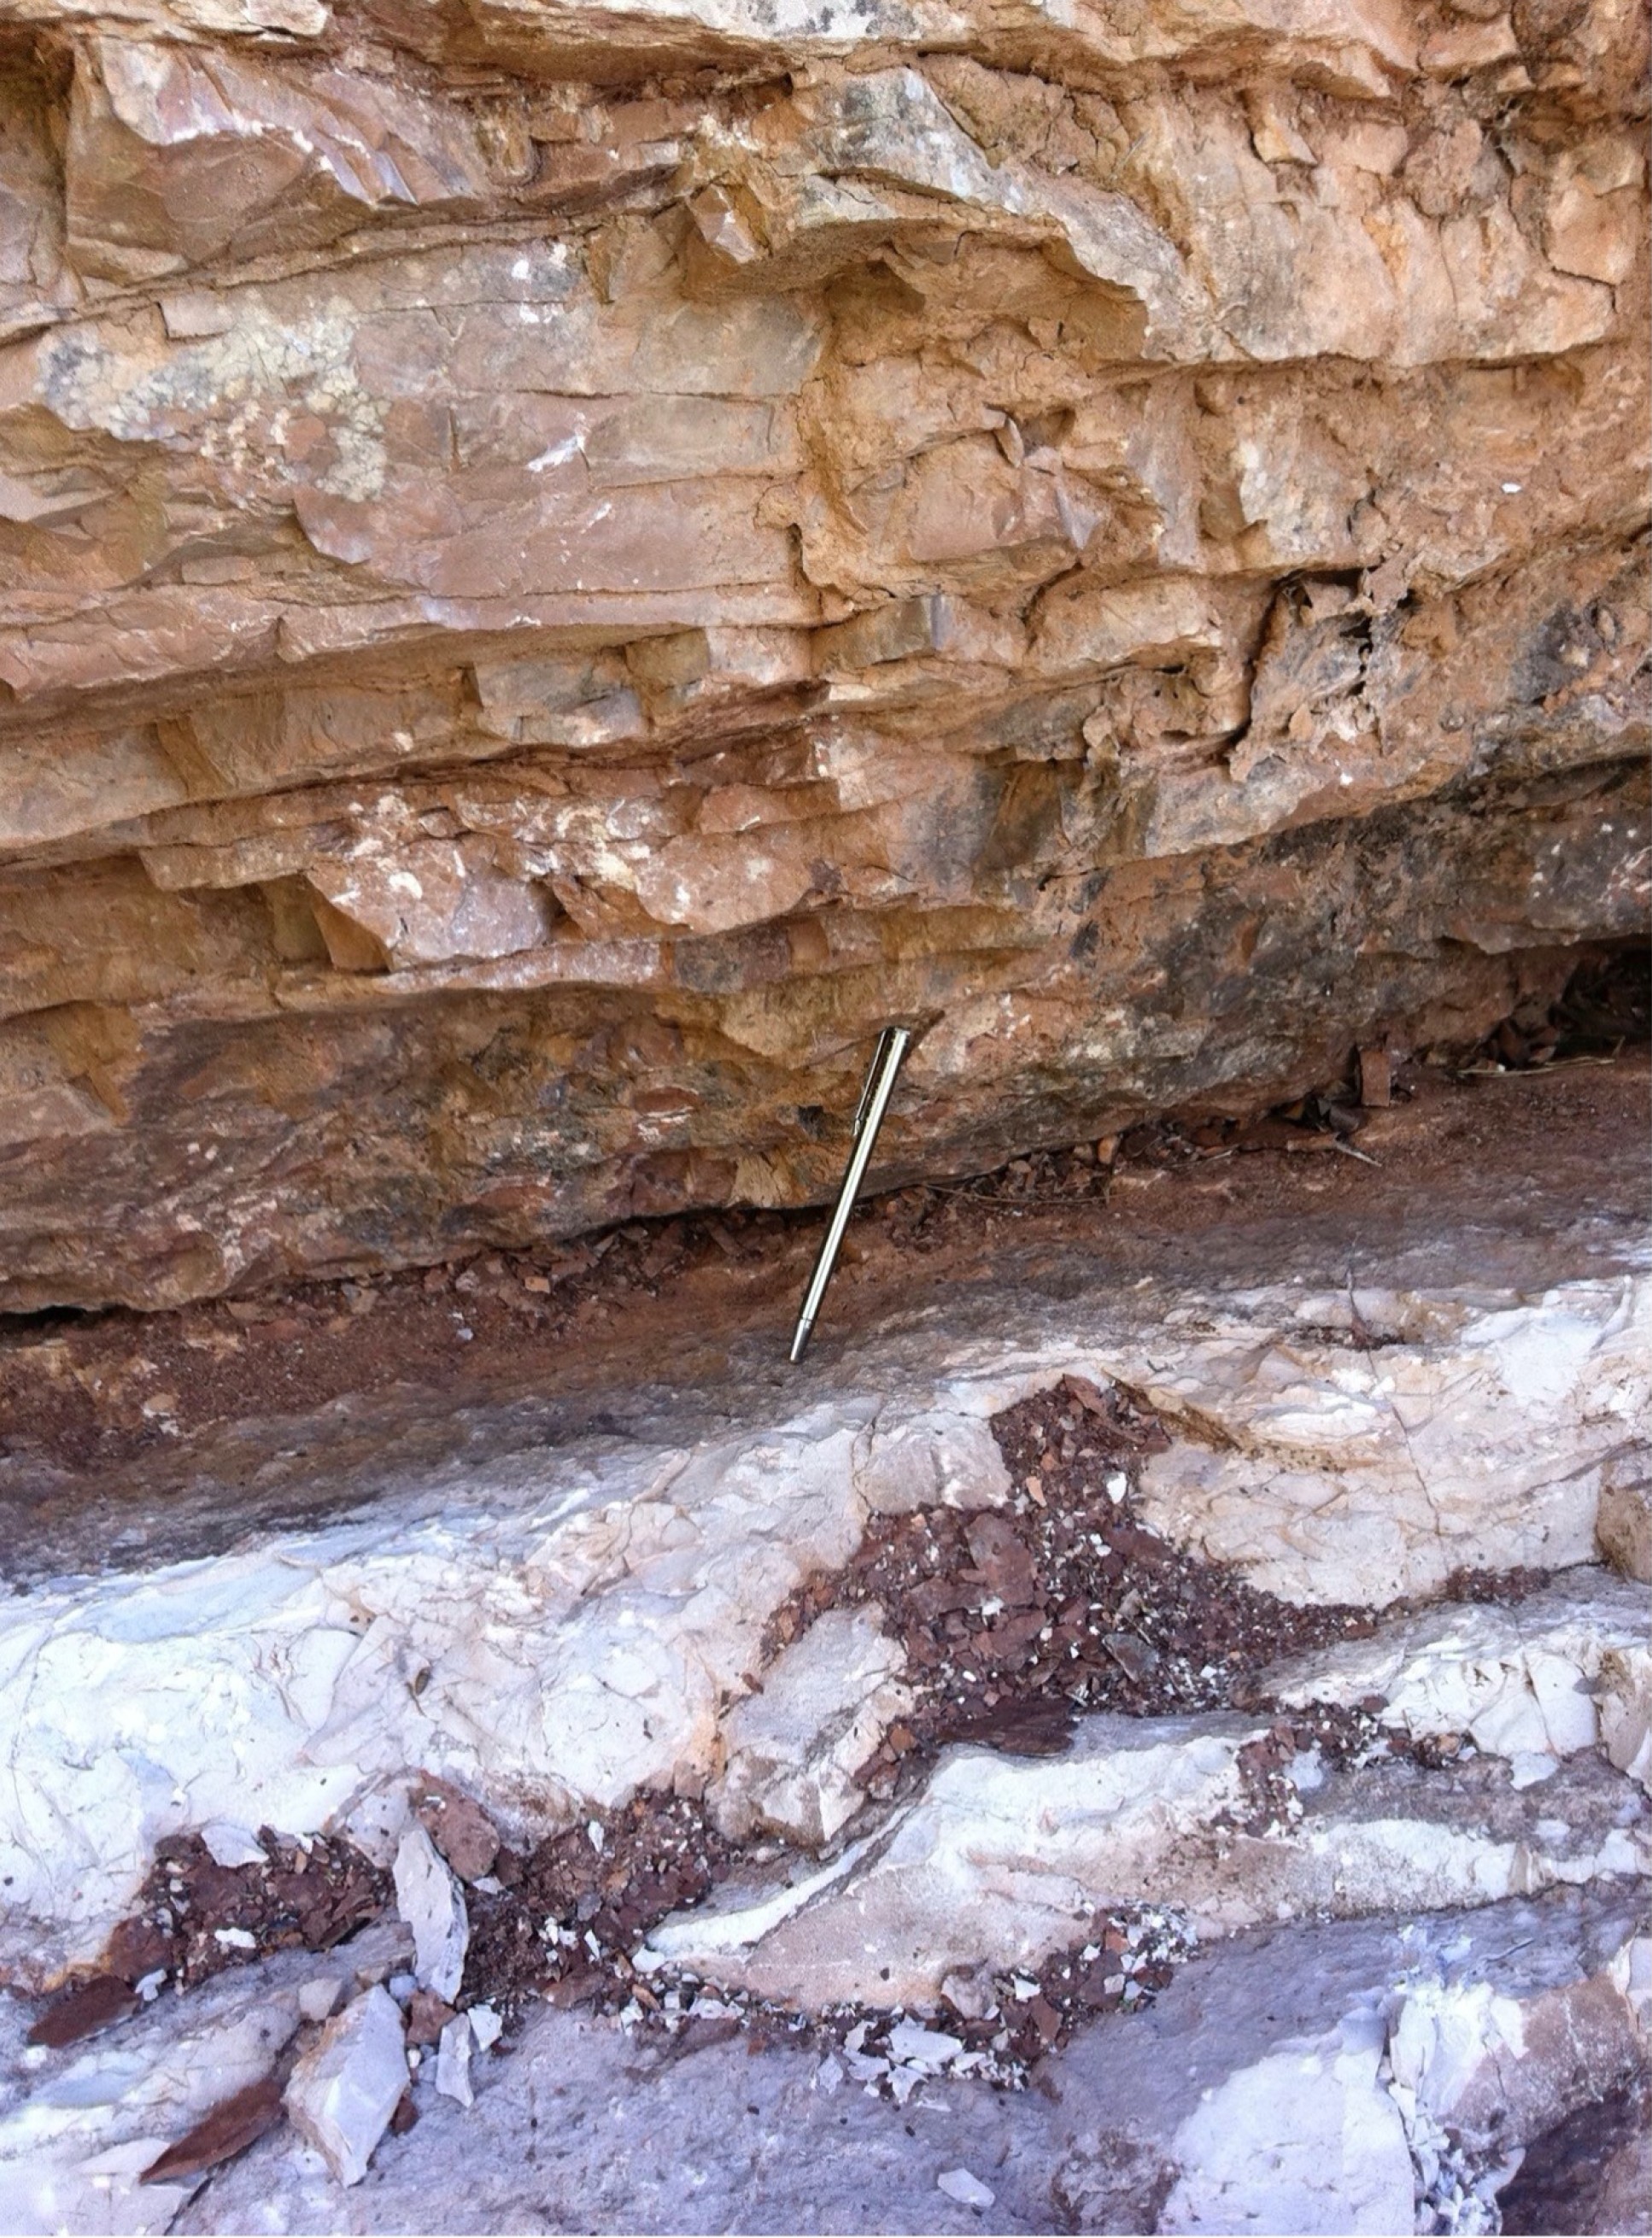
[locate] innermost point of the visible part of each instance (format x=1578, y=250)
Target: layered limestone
x=562, y=567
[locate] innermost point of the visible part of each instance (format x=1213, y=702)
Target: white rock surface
x=1517, y=1677
x=573, y=1625
x=793, y=1750
x=345, y=2087
x=1001, y=1861
x=1367, y=1475
x=718, y=2140
x=429, y=1899
x=453, y=2061
x=1000, y=1856
x=1307, y=2140
x=94, y=2117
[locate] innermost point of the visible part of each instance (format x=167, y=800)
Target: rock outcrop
x=1215, y=1693
x=562, y=566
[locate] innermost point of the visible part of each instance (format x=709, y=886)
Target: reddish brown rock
x=558, y=573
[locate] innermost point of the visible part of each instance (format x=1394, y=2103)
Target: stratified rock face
x=558, y=566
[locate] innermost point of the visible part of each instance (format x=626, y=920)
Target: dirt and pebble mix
x=1016, y=1618
x=195, y=1917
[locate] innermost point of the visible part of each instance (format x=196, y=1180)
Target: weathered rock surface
x=1002, y=1863
x=348, y=2082
x=1525, y=1681
x=559, y=1629
x=1367, y=2037
x=560, y=567
x=1410, y=1968
x=1625, y=1526
x=792, y=1752
x=76, y=2138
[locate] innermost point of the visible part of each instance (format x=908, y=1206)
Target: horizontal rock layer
x=561, y=566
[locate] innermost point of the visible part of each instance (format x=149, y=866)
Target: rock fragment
x=98, y=2144
x=794, y=1749
x=89, y=2005
x=430, y=1901
x=460, y=1829
x=453, y=2061
x=1623, y=1691
x=345, y=2088
x=233, y=2124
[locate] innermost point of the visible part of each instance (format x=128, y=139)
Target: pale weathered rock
x=453, y=2061
x=556, y=1630
x=1283, y=1489
x=706, y=2142
x=1520, y=1681
x=346, y=2086
x=1001, y=1861
x=1624, y=1692
x=1307, y=2140
x=76, y=2141
x=794, y=1749
x=1624, y=1526
x=430, y=1900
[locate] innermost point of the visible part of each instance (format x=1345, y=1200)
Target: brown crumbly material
x=571, y=1911
x=306, y=1894
x=1016, y=1620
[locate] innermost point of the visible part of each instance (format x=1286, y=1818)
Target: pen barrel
x=892, y=1047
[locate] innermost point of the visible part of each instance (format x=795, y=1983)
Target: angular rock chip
x=429, y=1899
x=228, y=2129
x=347, y=2087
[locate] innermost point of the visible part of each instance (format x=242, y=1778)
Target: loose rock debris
x=347, y=2085
x=195, y=1917
x=1012, y=1621
x=993, y=2030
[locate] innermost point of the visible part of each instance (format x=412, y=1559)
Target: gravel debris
x=1015, y=1620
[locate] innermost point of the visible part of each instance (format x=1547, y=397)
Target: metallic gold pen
x=892, y=1045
